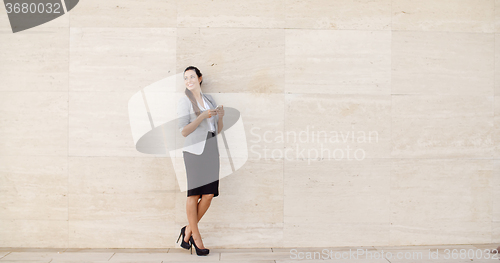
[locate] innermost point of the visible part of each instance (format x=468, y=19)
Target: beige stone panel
x=135, y=207
x=324, y=232
x=99, y=124
x=4, y=19
x=219, y=13
x=445, y=15
x=495, y=191
x=34, y=123
x=34, y=206
x=446, y=201
x=234, y=60
x=338, y=62
x=151, y=230
x=484, y=246
x=443, y=63
x=240, y=234
x=343, y=14
x=124, y=13
x=32, y=249
x=34, y=60
x=33, y=175
x=252, y=194
x=497, y=16
x=337, y=127
x=331, y=203
x=33, y=233
x=36, y=190
x=139, y=219
x=429, y=126
x=121, y=175
x=263, y=120
x=496, y=130
x=495, y=235
x=328, y=192
x=497, y=63
x=61, y=22
x=440, y=232
x=428, y=190
x=120, y=59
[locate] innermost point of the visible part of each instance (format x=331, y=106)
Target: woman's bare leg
x=204, y=204
x=192, y=213
x=202, y=207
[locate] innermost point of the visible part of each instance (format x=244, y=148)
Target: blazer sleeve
x=183, y=117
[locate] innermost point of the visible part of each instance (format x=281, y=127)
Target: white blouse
x=211, y=120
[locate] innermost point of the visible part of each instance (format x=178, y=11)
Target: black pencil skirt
x=203, y=170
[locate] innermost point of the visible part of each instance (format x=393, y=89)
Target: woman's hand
x=220, y=111
x=208, y=114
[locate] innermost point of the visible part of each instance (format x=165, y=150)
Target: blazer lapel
x=213, y=107
x=209, y=101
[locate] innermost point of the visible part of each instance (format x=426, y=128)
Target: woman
x=200, y=120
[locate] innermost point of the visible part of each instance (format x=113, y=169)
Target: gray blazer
x=195, y=141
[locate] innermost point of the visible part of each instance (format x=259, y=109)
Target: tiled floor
x=257, y=255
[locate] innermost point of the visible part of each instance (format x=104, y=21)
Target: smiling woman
x=199, y=121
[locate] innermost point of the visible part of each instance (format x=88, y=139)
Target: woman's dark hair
x=189, y=94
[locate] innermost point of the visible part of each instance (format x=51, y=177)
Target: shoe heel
x=199, y=251
x=184, y=244
x=178, y=238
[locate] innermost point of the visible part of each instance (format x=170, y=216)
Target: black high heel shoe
x=184, y=244
x=199, y=251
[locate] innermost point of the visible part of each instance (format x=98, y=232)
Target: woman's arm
x=220, y=123
x=185, y=126
x=188, y=129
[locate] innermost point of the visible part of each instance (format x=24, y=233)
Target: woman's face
x=191, y=80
